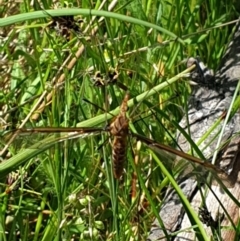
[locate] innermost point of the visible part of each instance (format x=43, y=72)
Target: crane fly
x=119, y=131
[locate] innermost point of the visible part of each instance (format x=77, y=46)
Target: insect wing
x=201, y=166
x=52, y=135
x=36, y=140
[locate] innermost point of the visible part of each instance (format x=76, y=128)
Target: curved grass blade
x=85, y=12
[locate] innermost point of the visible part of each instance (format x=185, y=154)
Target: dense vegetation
x=68, y=72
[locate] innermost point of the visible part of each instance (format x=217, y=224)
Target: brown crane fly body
x=119, y=130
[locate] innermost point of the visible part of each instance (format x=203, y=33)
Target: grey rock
x=210, y=100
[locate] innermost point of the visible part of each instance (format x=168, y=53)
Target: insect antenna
x=97, y=106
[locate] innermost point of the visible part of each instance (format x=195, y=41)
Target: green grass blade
x=85, y=12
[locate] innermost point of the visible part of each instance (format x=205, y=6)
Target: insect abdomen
x=119, y=129
x=119, y=155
